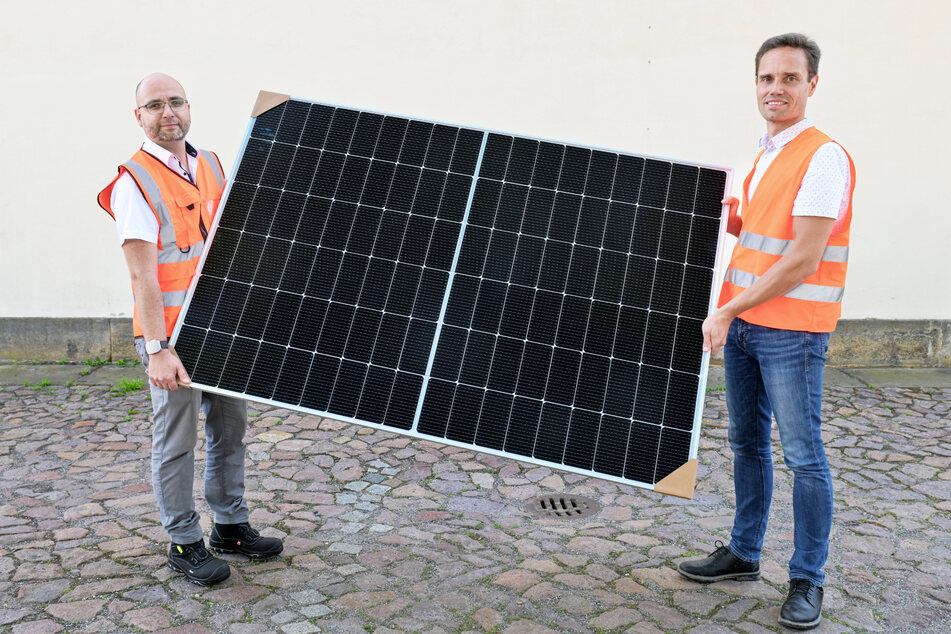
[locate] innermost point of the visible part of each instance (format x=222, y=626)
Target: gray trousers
x=174, y=436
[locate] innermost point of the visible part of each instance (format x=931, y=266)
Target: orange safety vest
x=816, y=304
x=184, y=212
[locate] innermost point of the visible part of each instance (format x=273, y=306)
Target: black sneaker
x=197, y=564
x=803, y=607
x=719, y=566
x=241, y=538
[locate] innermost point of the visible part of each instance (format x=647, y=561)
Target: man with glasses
x=780, y=300
x=163, y=201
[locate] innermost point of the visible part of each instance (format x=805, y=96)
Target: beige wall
x=672, y=77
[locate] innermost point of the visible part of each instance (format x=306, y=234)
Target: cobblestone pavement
x=388, y=534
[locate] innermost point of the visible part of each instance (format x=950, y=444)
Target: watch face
x=153, y=346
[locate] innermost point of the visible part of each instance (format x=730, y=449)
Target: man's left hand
x=714, y=331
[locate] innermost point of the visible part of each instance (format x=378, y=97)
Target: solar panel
x=517, y=296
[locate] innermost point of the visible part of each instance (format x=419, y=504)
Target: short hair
x=793, y=40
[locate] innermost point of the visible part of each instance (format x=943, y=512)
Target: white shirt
x=135, y=220
x=824, y=191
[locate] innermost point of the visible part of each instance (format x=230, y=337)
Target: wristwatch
x=155, y=345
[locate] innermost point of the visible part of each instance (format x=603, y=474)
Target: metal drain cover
x=563, y=507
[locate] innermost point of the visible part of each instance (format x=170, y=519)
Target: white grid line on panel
x=241, y=312
x=452, y=273
x=597, y=435
x=349, y=330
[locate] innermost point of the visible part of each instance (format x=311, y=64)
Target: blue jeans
x=778, y=372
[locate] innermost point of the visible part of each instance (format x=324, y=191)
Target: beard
x=170, y=134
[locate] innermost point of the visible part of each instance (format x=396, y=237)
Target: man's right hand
x=734, y=223
x=166, y=371
x=715, y=328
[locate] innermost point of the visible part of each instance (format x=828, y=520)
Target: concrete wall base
x=856, y=342
x=72, y=339
x=895, y=343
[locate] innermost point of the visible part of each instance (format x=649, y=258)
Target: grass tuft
x=124, y=386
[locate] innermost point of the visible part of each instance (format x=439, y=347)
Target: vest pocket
x=188, y=212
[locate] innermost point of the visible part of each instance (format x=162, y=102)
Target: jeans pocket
x=817, y=345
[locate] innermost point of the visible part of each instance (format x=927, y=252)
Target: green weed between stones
x=124, y=386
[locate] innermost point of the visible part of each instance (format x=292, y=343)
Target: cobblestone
x=390, y=534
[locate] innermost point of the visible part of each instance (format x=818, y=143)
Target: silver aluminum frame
x=705, y=361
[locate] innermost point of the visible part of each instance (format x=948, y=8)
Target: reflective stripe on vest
x=166, y=229
x=775, y=246
x=173, y=256
x=174, y=298
x=212, y=161
x=809, y=292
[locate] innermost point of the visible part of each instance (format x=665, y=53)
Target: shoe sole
x=236, y=551
x=736, y=576
x=798, y=625
x=198, y=582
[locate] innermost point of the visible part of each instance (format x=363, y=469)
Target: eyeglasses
x=177, y=104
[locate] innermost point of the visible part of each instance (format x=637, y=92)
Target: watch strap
x=156, y=345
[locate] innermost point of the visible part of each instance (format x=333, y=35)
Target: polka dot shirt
x=824, y=191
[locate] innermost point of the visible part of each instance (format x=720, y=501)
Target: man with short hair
x=163, y=201
x=780, y=300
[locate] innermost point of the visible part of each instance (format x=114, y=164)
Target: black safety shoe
x=241, y=538
x=719, y=566
x=197, y=564
x=802, y=609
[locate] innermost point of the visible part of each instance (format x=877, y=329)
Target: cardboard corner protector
x=681, y=482
x=267, y=100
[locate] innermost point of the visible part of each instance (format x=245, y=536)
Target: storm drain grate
x=565, y=507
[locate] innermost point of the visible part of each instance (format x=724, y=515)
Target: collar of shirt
x=170, y=159
x=779, y=141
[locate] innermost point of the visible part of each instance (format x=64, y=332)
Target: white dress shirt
x=135, y=219
x=825, y=188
